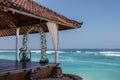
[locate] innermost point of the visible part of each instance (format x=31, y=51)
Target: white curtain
x=53, y=29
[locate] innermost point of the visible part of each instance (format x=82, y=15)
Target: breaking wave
x=36, y=51
x=100, y=63
x=110, y=53
x=101, y=53
x=48, y=52
x=78, y=51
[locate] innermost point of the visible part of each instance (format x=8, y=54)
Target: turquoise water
x=91, y=64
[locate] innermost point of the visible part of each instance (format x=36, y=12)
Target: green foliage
x=25, y=60
x=45, y=60
x=28, y=59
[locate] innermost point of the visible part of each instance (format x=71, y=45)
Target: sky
x=100, y=29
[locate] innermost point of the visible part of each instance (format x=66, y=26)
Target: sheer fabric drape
x=53, y=29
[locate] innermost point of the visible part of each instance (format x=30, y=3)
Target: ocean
x=90, y=64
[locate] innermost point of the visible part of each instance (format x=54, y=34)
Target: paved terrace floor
x=11, y=66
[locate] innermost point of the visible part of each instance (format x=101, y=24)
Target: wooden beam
x=7, y=19
x=31, y=15
x=3, y=8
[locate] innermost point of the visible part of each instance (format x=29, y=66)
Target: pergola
x=19, y=17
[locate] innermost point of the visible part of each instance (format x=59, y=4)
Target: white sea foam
x=39, y=51
x=48, y=52
x=110, y=53
x=104, y=53
x=78, y=51
x=36, y=51
x=101, y=63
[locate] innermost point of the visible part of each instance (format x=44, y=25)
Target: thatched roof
x=26, y=13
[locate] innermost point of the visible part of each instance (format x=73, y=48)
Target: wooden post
x=56, y=57
x=56, y=50
x=17, y=43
